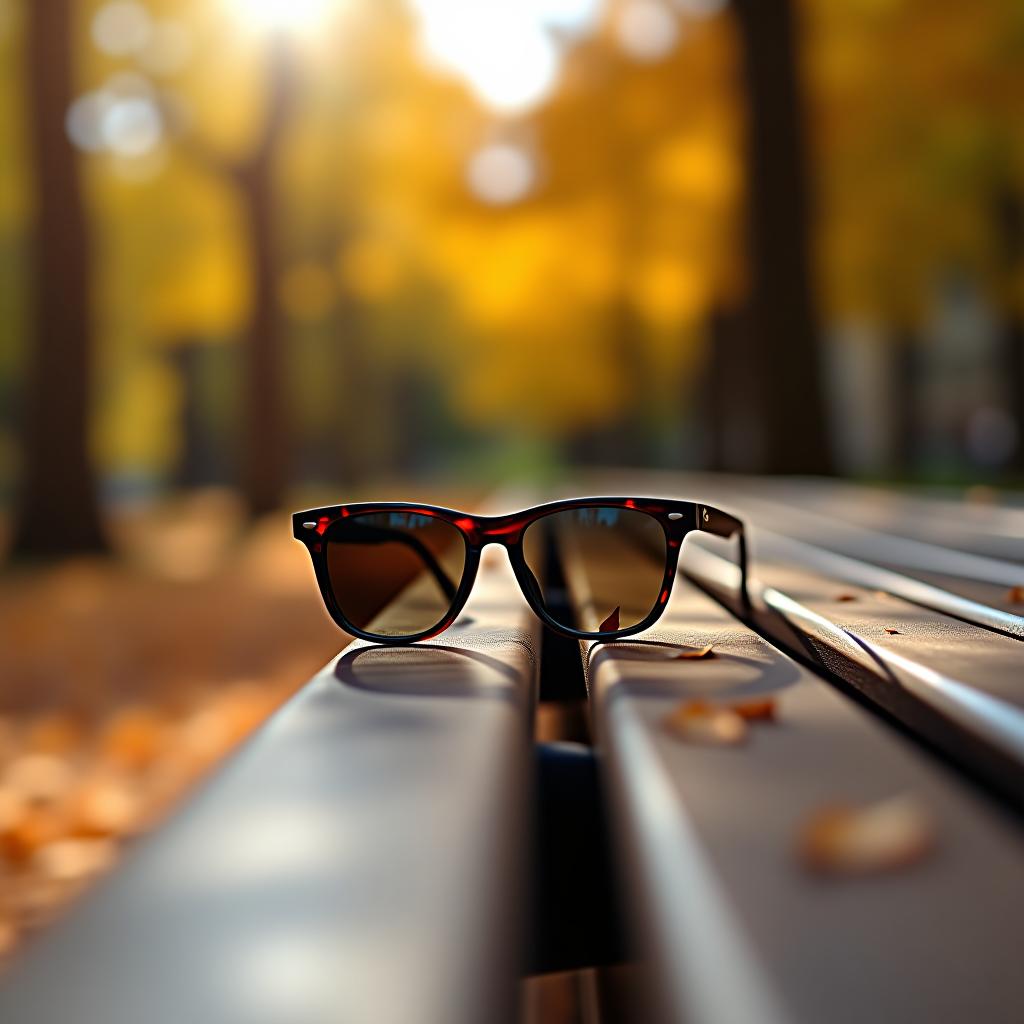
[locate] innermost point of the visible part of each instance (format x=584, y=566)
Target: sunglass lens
x=377, y=558
x=613, y=564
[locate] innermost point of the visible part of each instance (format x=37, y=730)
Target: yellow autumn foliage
x=633, y=213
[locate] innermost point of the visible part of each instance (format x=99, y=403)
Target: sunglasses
x=621, y=553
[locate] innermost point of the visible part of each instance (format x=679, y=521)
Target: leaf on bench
x=697, y=721
x=756, y=710
x=842, y=840
x=694, y=653
x=611, y=623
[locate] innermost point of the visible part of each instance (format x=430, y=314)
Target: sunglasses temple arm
x=744, y=592
x=721, y=524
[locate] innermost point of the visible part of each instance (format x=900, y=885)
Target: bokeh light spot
x=169, y=49
x=647, y=30
x=131, y=126
x=121, y=28
x=84, y=121
x=501, y=173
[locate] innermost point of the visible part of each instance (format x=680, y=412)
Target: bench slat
x=731, y=926
x=360, y=859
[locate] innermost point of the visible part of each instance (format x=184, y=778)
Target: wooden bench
x=365, y=857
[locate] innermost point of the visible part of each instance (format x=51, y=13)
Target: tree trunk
x=727, y=402
x=58, y=512
x=783, y=336
x=1013, y=346
x=1009, y=216
x=265, y=433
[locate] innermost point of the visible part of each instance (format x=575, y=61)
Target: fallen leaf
x=133, y=738
x=8, y=937
x=105, y=806
x=756, y=710
x=893, y=632
x=697, y=721
x=611, y=623
x=1015, y=595
x=41, y=779
x=843, y=840
x=36, y=827
x=69, y=860
x=847, y=597
x=693, y=653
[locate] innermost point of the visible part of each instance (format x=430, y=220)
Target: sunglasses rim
x=462, y=591
x=678, y=518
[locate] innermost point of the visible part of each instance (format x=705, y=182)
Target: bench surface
x=728, y=924
x=361, y=858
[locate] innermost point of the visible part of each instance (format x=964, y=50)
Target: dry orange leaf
x=133, y=737
x=1015, y=595
x=847, y=597
x=694, y=653
x=41, y=779
x=756, y=710
x=893, y=632
x=697, y=721
x=884, y=836
x=105, y=806
x=8, y=937
x=611, y=623
x=68, y=860
x=36, y=827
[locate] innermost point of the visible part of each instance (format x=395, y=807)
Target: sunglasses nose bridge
x=500, y=532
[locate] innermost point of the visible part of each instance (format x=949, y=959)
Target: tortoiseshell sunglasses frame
x=677, y=519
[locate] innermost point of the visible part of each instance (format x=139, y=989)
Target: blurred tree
x=1009, y=217
x=781, y=326
x=919, y=151
x=58, y=511
x=265, y=434
x=266, y=422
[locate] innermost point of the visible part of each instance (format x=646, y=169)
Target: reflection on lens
x=614, y=563
x=374, y=558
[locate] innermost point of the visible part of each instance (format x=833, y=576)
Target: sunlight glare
x=572, y=16
x=280, y=14
x=506, y=52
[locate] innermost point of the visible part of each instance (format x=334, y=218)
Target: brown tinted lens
x=613, y=560
x=394, y=573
